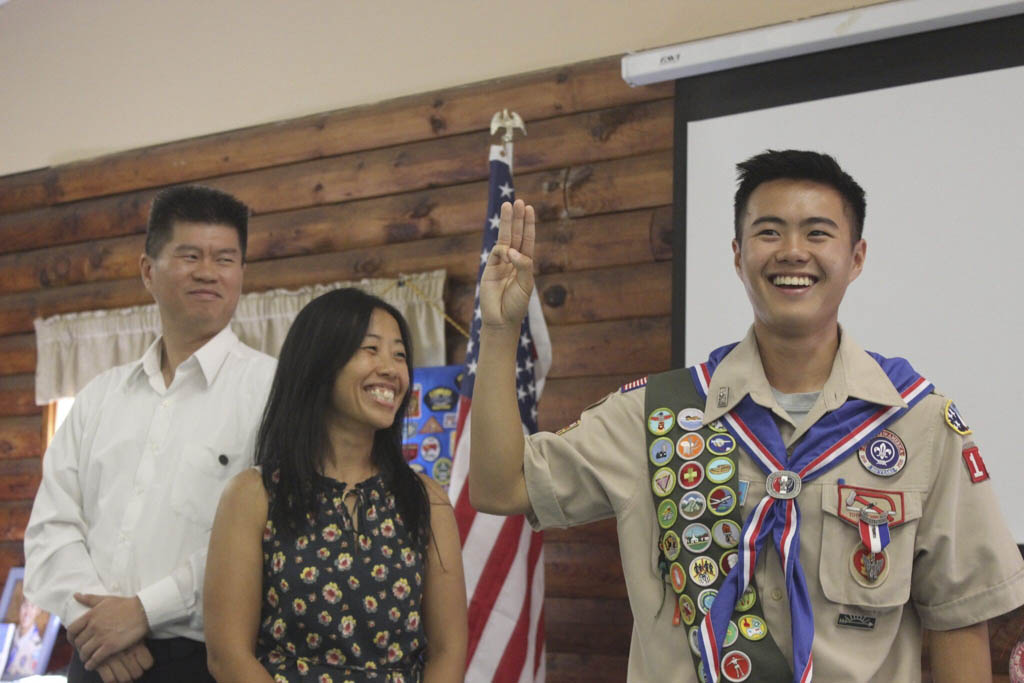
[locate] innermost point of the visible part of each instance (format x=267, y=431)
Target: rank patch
x=975, y=465
x=953, y=419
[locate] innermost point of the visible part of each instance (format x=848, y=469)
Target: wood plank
x=13, y=519
x=536, y=96
x=12, y=554
x=600, y=533
x=606, y=293
x=459, y=255
x=19, y=479
x=17, y=354
x=635, y=346
x=18, y=395
x=20, y=437
x=591, y=667
x=575, y=570
x=587, y=625
x=564, y=399
x=581, y=138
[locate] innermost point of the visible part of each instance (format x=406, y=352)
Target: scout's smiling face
x=797, y=255
x=369, y=389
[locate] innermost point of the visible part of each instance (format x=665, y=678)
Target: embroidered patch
x=853, y=498
x=856, y=621
x=884, y=455
x=954, y=420
x=975, y=465
x=635, y=384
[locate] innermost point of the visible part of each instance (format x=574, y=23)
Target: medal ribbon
x=826, y=444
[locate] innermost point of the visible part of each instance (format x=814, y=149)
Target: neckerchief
x=827, y=443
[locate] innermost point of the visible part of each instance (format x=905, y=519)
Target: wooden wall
x=392, y=188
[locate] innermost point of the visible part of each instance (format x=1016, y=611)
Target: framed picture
x=34, y=630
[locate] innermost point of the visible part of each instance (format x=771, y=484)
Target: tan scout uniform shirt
x=952, y=564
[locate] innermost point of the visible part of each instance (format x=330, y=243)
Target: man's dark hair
x=194, y=204
x=794, y=164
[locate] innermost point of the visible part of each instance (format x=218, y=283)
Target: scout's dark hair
x=794, y=164
x=194, y=204
x=292, y=440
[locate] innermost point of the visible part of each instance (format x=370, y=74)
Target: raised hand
x=507, y=281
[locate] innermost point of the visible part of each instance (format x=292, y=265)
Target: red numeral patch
x=975, y=465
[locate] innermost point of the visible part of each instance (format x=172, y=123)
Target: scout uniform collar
x=855, y=374
x=823, y=445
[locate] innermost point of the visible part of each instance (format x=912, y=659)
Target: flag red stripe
x=511, y=665
x=499, y=562
x=538, y=644
x=464, y=512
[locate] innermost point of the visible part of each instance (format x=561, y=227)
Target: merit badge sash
x=694, y=476
x=832, y=439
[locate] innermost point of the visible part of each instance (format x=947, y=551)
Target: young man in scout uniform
x=792, y=494
x=116, y=545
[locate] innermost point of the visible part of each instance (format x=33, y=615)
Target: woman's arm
x=233, y=590
x=444, y=593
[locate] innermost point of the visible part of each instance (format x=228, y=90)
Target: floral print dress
x=341, y=602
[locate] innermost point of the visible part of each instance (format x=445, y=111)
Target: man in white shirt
x=116, y=545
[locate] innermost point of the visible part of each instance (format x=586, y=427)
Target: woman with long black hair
x=333, y=560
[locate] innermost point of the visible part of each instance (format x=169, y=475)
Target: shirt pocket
x=839, y=540
x=202, y=473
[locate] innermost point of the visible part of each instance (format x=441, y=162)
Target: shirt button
x=776, y=594
x=115, y=586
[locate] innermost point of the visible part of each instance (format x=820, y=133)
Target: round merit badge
x=721, y=444
x=690, y=445
x=697, y=538
x=690, y=419
x=705, y=599
x=443, y=471
x=663, y=481
x=661, y=451
x=884, y=455
x=736, y=666
x=726, y=533
x=430, y=449
x=752, y=627
x=721, y=500
x=692, y=505
x=747, y=600
x=687, y=610
x=728, y=560
x=667, y=513
x=717, y=426
x=703, y=571
x=678, y=576
x=691, y=474
x=660, y=421
x=731, y=634
x=954, y=420
x=670, y=545
x=720, y=470
x=693, y=636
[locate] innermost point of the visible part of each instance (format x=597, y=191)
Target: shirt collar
x=854, y=374
x=210, y=356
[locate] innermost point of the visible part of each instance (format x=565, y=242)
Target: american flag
x=503, y=557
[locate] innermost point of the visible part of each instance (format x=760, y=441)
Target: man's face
x=196, y=278
x=797, y=255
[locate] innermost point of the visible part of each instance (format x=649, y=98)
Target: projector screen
x=943, y=166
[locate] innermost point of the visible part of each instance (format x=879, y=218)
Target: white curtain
x=71, y=349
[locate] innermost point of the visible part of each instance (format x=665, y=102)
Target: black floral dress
x=342, y=602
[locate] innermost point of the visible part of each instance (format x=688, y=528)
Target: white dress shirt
x=132, y=479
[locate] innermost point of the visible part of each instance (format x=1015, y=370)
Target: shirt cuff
x=545, y=510
x=162, y=602
x=975, y=608
x=73, y=610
